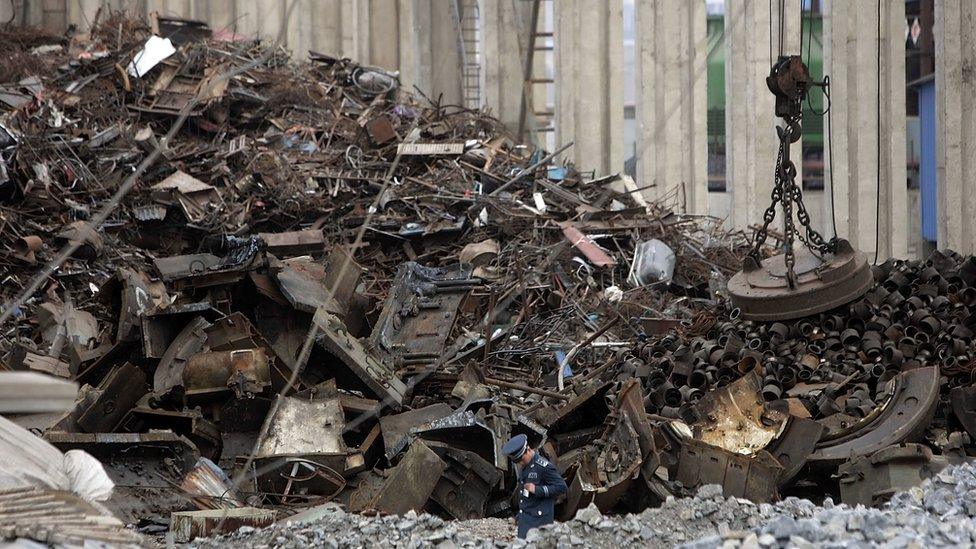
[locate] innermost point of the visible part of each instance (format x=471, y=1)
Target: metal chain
x=787, y=192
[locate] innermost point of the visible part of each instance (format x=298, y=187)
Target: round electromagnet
x=762, y=291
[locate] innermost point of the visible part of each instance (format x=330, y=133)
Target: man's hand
x=530, y=487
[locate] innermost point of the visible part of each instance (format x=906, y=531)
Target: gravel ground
x=938, y=513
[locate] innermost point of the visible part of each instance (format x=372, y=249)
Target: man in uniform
x=539, y=484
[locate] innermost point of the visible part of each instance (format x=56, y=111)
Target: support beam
x=672, y=152
x=868, y=117
x=750, y=111
x=955, y=107
x=589, y=87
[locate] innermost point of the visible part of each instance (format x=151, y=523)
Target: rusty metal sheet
x=46, y=364
x=342, y=289
x=902, y=418
x=735, y=417
x=963, y=401
x=188, y=423
x=466, y=482
x=419, y=313
x=169, y=372
x=751, y=477
x=585, y=244
x=196, y=198
x=82, y=232
x=380, y=130
x=292, y=243
x=793, y=446
x=205, y=269
x=872, y=480
x=464, y=430
x=160, y=328
x=611, y=463
x=189, y=525
x=132, y=295
x=118, y=393
x=302, y=282
x=245, y=372
x=411, y=482
x=396, y=426
x=302, y=427
x=367, y=372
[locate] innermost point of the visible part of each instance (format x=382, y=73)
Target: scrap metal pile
x=449, y=286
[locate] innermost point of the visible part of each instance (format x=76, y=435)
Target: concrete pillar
x=589, y=87
x=955, y=97
x=430, y=56
x=865, y=131
x=384, y=34
x=750, y=111
x=672, y=152
x=504, y=35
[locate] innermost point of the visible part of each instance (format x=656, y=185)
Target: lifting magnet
x=762, y=290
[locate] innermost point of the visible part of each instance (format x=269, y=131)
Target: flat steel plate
x=761, y=292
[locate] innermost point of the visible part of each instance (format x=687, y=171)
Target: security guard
x=540, y=484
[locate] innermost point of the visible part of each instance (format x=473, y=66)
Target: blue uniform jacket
x=537, y=509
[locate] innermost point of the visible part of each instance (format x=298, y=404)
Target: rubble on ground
x=328, y=291
x=939, y=512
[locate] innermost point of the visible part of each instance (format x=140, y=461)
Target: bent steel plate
x=761, y=291
x=902, y=418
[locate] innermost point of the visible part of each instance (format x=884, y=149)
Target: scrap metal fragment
x=83, y=234
x=610, y=464
x=209, y=487
x=902, y=418
x=169, y=372
x=118, y=392
x=752, y=477
x=872, y=480
x=585, y=244
x=367, y=372
x=963, y=401
x=245, y=372
x=294, y=243
x=466, y=482
x=189, y=525
x=411, y=482
x=419, y=313
x=396, y=426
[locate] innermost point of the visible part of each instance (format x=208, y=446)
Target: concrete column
x=504, y=36
x=384, y=34
x=589, y=94
x=955, y=97
x=672, y=152
x=868, y=116
x=430, y=56
x=750, y=111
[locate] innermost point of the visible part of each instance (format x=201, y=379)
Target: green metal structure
x=812, y=120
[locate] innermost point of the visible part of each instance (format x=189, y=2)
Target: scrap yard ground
x=292, y=303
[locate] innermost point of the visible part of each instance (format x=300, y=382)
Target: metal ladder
x=542, y=120
x=468, y=18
